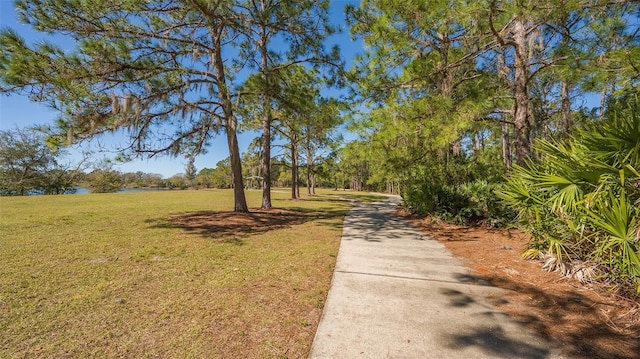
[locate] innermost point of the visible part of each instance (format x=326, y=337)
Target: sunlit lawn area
x=164, y=274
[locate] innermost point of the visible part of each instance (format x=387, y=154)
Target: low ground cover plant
x=581, y=199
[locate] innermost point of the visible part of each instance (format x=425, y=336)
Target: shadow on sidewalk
x=589, y=337
x=377, y=222
x=492, y=340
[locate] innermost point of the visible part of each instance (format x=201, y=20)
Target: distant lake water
x=84, y=190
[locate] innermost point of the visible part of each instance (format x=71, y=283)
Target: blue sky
x=19, y=111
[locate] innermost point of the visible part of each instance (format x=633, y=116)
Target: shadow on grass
x=234, y=227
x=587, y=337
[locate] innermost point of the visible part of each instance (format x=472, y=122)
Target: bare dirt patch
x=586, y=321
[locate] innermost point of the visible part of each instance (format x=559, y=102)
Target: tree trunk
x=266, y=161
x=308, y=179
x=240, y=202
x=503, y=73
x=506, y=146
x=310, y=172
x=603, y=100
x=297, y=184
x=564, y=93
x=446, y=83
x=566, y=108
x=522, y=126
x=457, y=148
x=266, y=120
x=295, y=191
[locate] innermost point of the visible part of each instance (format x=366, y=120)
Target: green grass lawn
x=163, y=274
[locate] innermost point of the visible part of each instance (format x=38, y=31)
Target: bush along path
x=581, y=200
x=398, y=293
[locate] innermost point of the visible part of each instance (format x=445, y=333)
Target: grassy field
x=164, y=274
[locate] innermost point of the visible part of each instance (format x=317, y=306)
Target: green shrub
x=468, y=203
x=581, y=200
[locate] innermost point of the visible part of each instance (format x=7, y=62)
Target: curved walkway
x=397, y=293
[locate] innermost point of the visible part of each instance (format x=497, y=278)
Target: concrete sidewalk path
x=397, y=293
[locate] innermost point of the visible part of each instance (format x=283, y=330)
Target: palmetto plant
x=581, y=200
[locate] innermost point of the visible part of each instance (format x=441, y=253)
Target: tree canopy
x=447, y=98
x=441, y=79
x=28, y=165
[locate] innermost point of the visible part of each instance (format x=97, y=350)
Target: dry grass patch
x=165, y=274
